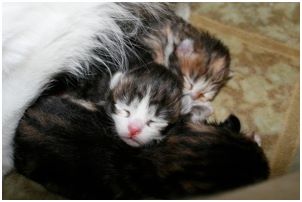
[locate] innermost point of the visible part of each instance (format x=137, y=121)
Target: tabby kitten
x=202, y=59
x=76, y=152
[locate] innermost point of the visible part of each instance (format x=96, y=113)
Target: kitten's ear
x=233, y=123
x=219, y=68
x=220, y=59
x=115, y=79
x=218, y=63
x=186, y=47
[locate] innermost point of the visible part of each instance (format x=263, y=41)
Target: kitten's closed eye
x=150, y=122
x=145, y=101
x=122, y=112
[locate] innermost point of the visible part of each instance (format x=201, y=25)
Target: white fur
x=140, y=112
x=115, y=79
x=42, y=39
x=169, y=48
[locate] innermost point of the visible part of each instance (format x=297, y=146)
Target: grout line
x=246, y=37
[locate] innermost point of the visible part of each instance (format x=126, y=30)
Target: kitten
x=141, y=101
x=75, y=152
x=202, y=60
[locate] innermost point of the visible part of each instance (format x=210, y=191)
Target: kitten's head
x=204, y=63
x=229, y=125
x=200, y=158
x=143, y=102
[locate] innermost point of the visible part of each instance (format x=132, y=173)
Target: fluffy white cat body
x=43, y=39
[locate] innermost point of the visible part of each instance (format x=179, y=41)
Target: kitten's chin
x=131, y=142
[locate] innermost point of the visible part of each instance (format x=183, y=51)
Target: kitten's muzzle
x=134, y=128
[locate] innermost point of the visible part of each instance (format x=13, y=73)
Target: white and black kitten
x=141, y=101
x=75, y=152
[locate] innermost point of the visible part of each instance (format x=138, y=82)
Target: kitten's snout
x=134, y=128
x=195, y=95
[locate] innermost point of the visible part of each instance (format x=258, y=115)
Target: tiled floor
x=279, y=21
x=263, y=39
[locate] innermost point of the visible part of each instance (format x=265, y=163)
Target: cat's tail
x=41, y=40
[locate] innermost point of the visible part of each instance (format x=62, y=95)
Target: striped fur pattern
x=201, y=59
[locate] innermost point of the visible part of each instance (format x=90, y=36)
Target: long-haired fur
x=41, y=40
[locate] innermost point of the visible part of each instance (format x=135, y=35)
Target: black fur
x=74, y=152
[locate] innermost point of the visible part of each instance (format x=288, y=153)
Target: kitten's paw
x=201, y=112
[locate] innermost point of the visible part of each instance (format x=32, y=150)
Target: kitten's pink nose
x=134, y=129
x=196, y=95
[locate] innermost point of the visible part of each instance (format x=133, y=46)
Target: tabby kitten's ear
x=219, y=64
x=115, y=79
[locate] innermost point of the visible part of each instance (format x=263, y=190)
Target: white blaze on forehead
x=140, y=109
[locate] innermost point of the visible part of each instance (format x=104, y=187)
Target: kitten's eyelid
x=149, y=122
x=124, y=113
x=128, y=112
x=121, y=111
